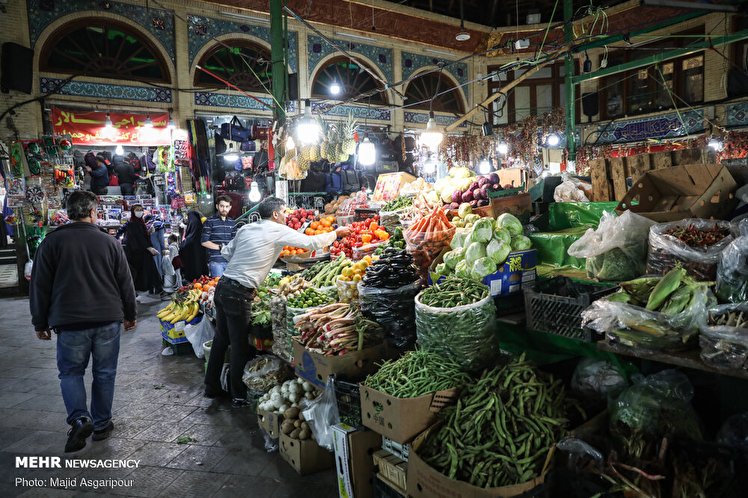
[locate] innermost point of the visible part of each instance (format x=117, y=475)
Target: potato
x=301, y=416
x=292, y=413
x=287, y=427
x=305, y=434
x=295, y=434
x=304, y=426
x=297, y=424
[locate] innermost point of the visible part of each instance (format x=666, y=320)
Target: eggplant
x=482, y=181
x=467, y=196
x=457, y=196
x=493, y=178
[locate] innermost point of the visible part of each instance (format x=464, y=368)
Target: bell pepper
x=366, y=238
x=373, y=226
x=381, y=234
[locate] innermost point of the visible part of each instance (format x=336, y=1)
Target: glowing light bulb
x=334, y=89
x=367, y=152
x=108, y=122
x=119, y=151
x=502, y=148
x=254, y=192
x=432, y=136
x=553, y=140
x=148, y=122
x=715, y=144
x=290, y=145
x=484, y=167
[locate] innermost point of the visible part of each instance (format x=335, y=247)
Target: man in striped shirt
x=218, y=231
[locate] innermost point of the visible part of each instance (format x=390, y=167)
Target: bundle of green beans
x=417, y=373
x=454, y=291
x=501, y=429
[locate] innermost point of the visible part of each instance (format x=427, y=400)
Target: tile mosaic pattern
x=318, y=49
x=203, y=30
x=106, y=91
x=358, y=112
x=668, y=125
x=736, y=114
x=237, y=101
x=423, y=118
x=413, y=62
x=40, y=17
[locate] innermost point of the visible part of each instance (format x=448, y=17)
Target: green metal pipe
x=667, y=55
x=571, y=146
x=278, y=58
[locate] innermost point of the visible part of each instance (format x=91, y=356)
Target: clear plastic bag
x=734, y=432
x=640, y=328
x=732, y=270
x=464, y=334
x=347, y=290
x=271, y=445
x=617, y=250
x=572, y=190
x=597, y=379
x=394, y=310
x=198, y=334
x=666, y=250
x=425, y=247
x=282, y=345
x=264, y=372
x=722, y=345
x=321, y=414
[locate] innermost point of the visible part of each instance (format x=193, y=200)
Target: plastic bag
x=597, y=379
x=425, y=247
x=394, y=310
x=464, y=334
x=321, y=414
x=282, y=345
x=264, y=372
x=347, y=290
x=666, y=250
x=638, y=327
x=658, y=406
x=271, y=445
x=732, y=270
x=734, y=432
x=198, y=334
x=572, y=190
x=617, y=250
x=722, y=345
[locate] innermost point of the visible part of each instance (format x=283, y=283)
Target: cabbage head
x=464, y=210
x=482, y=231
x=498, y=251
x=474, y=252
x=510, y=223
x=459, y=238
x=442, y=269
x=503, y=235
x=482, y=268
x=521, y=243
x=453, y=257
x=463, y=269
x=471, y=218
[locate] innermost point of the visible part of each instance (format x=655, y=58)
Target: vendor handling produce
x=250, y=255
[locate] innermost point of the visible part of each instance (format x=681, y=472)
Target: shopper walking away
x=250, y=257
x=126, y=174
x=82, y=290
x=191, y=252
x=158, y=240
x=172, y=277
x=218, y=231
x=140, y=253
x=96, y=168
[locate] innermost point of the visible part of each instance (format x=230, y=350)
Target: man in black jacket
x=82, y=290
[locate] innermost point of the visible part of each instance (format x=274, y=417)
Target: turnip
x=482, y=181
x=494, y=178
x=457, y=196
x=467, y=196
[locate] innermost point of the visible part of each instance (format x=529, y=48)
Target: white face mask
x=138, y=214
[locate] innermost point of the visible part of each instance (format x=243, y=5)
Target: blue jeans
x=74, y=348
x=216, y=268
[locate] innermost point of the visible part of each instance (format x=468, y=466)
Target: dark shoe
x=81, y=428
x=240, y=403
x=102, y=434
x=211, y=393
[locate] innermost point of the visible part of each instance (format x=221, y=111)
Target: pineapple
x=306, y=153
x=338, y=152
x=314, y=153
x=349, y=143
x=323, y=148
x=303, y=163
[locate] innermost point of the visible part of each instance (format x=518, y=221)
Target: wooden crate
x=600, y=184
x=686, y=156
x=662, y=160
x=638, y=165
x=618, y=176
x=392, y=469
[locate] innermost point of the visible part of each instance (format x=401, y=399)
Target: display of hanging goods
x=428, y=236
x=33, y=148
x=417, y=373
x=502, y=428
x=308, y=298
x=694, y=243
x=336, y=329
x=455, y=318
x=392, y=270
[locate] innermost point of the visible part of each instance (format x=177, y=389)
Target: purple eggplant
x=493, y=178
x=457, y=196
x=467, y=196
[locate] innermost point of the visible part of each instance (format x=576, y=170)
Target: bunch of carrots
x=433, y=228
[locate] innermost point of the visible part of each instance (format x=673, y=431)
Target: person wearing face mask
x=140, y=252
x=85, y=305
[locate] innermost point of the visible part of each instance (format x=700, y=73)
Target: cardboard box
x=353, y=460
x=426, y=482
x=389, y=185
x=679, y=192
x=392, y=469
x=400, y=450
x=517, y=271
x=306, y=457
x=402, y=419
x=316, y=367
x=270, y=422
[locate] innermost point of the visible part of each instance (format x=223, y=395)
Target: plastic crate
x=348, y=398
x=549, y=312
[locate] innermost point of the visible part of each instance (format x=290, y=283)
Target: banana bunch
x=186, y=309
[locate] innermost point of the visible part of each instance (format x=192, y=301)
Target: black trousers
x=233, y=304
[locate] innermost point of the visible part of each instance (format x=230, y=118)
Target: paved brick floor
x=157, y=400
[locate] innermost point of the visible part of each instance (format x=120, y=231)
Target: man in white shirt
x=250, y=255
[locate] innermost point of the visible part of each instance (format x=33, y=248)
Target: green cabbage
x=503, y=235
x=498, y=251
x=474, y=252
x=441, y=269
x=482, y=268
x=453, y=257
x=464, y=210
x=511, y=223
x=459, y=238
x=521, y=243
x=462, y=269
x=482, y=231
x=471, y=218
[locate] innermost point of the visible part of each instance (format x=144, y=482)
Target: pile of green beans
x=454, y=291
x=417, y=373
x=501, y=429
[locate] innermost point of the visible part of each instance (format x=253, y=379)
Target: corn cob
x=666, y=286
x=678, y=301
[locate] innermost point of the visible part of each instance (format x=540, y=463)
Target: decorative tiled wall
x=203, y=29
x=670, y=125
x=413, y=62
x=358, y=112
x=106, y=91
x=318, y=49
x=238, y=101
x=736, y=114
x=423, y=117
x=160, y=23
